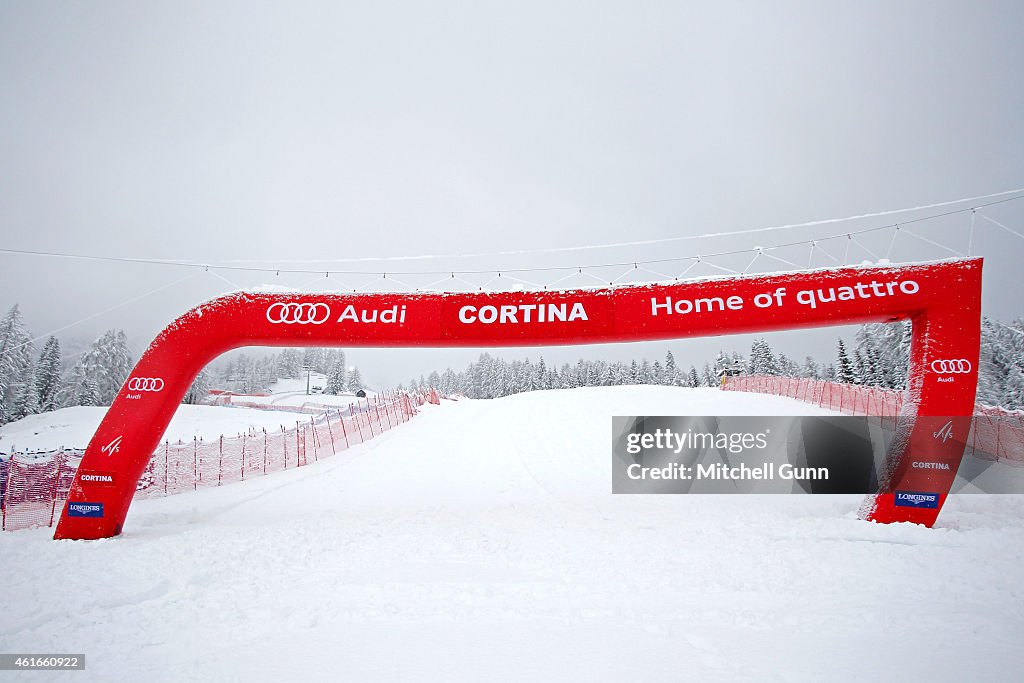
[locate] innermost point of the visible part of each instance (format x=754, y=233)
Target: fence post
x=355, y=416
x=330, y=432
x=369, y=419
x=264, y=450
x=56, y=484
x=376, y=409
x=316, y=439
x=195, y=463
x=167, y=475
x=344, y=433
x=7, y=490
x=244, y=434
x=998, y=439
x=220, y=461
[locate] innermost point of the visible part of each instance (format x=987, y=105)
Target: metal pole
x=327, y=419
x=344, y=433
x=316, y=439
x=359, y=425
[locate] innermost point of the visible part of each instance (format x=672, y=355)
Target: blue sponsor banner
x=85, y=509
x=917, y=499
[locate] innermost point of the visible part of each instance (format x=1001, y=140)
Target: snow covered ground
x=300, y=398
x=286, y=385
x=73, y=427
x=481, y=542
x=292, y=392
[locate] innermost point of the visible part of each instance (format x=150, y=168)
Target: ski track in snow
x=481, y=541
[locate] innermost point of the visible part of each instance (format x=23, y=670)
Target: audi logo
x=298, y=314
x=145, y=384
x=958, y=366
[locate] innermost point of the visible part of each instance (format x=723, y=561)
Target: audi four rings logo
x=298, y=314
x=951, y=367
x=145, y=384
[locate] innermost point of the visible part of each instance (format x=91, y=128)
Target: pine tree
x=1001, y=365
x=672, y=374
x=872, y=367
x=885, y=354
x=355, y=380
x=48, y=376
x=1013, y=390
x=858, y=367
x=88, y=393
x=828, y=373
x=290, y=364
x=692, y=380
x=337, y=382
x=15, y=360
x=762, y=360
x=722, y=362
x=199, y=389
x=646, y=375
x=26, y=400
x=107, y=363
x=787, y=367
x=844, y=368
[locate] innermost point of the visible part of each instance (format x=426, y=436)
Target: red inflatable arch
x=942, y=299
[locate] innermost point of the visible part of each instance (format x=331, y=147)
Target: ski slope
x=481, y=542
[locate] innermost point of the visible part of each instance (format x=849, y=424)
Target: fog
x=339, y=136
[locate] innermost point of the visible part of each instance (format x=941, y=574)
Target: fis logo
x=916, y=499
x=85, y=509
x=945, y=432
x=112, y=447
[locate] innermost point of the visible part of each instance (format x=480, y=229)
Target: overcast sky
x=279, y=133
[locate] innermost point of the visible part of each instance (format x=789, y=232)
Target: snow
x=300, y=398
x=481, y=541
x=298, y=384
x=73, y=427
